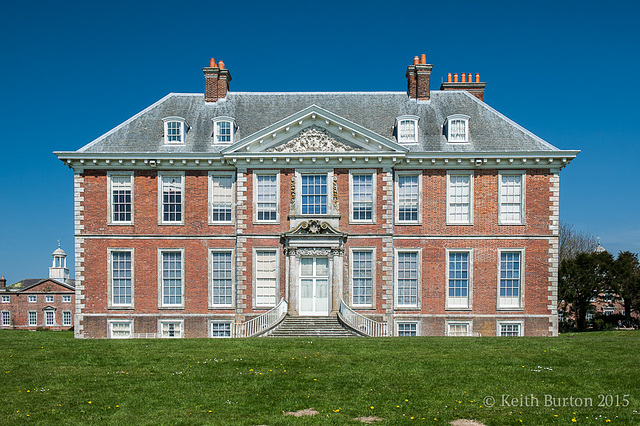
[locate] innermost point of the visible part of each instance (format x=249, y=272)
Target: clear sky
x=569, y=71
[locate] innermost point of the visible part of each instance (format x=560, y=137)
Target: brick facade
x=532, y=240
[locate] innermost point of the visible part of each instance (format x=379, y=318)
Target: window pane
x=220, y=329
x=121, y=277
x=172, y=198
x=174, y=132
x=459, y=198
x=407, y=131
x=223, y=132
x=362, y=196
x=121, y=190
x=266, y=279
x=408, y=198
x=458, y=280
x=221, y=278
x=457, y=131
x=362, y=277
x=266, y=197
x=221, y=198
x=171, y=278
x=314, y=194
x=511, y=198
x=510, y=279
x=408, y=279
x=407, y=329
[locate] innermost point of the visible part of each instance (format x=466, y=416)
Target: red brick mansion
x=419, y=212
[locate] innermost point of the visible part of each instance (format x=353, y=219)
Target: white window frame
x=449, y=126
x=523, y=190
x=225, y=174
x=355, y=305
x=6, y=298
x=230, y=323
x=373, y=175
x=32, y=315
x=419, y=175
x=459, y=303
x=66, y=298
x=449, y=323
x=402, y=322
x=450, y=218
x=256, y=174
x=49, y=298
x=502, y=304
x=276, y=278
x=183, y=127
x=418, y=279
x=406, y=118
x=500, y=323
x=110, y=303
x=6, y=319
x=110, y=189
x=233, y=128
x=161, y=220
x=112, y=322
x=32, y=298
x=233, y=279
x=329, y=174
x=180, y=333
x=46, y=317
x=161, y=304
x=66, y=323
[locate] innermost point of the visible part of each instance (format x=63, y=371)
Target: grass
x=51, y=378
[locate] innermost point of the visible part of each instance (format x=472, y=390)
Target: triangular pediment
x=314, y=130
x=314, y=139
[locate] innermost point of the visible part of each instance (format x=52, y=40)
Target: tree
x=581, y=279
x=625, y=281
x=571, y=241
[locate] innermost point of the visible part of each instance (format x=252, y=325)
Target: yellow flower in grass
x=371, y=407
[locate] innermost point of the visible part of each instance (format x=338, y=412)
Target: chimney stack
x=216, y=81
x=476, y=88
x=3, y=283
x=419, y=79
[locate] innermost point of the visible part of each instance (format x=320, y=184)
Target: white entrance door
x=314, y=286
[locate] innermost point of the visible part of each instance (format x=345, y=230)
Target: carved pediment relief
x=315, y=227
x=313, y=139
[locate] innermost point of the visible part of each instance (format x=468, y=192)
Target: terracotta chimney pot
x=416, y=60
x=463, y=78
x=423, y=59
x=212, y=63
x=221, y=65
x=455, y=78
x=477, y=78
x=448, y=77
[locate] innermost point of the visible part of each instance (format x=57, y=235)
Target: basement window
x=457, y=128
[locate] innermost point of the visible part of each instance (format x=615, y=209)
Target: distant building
x=424, y=212
x=40, y=302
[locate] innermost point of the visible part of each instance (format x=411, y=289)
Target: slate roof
x=489, y=130
x=28, y=283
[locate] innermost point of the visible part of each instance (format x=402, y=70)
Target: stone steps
x=295, y=326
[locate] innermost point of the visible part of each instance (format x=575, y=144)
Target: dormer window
x=175, y=130
x=224, y=129
x=457, y=128
x=407, y=129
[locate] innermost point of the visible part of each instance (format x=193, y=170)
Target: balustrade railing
x=361, y=323
x=262, y=322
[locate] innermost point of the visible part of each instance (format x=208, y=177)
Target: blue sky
x=566, y=70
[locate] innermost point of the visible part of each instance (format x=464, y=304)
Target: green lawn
x=50, y=378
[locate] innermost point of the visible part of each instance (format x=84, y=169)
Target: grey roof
x=29, y=283
x=489, y=130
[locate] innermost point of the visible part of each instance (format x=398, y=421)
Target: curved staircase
x=297, y=326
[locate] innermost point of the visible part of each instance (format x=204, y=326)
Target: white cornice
x=410, y=160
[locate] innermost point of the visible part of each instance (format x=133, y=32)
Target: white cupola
x=58, y=270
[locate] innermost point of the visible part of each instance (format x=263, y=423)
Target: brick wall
x=196, y=237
